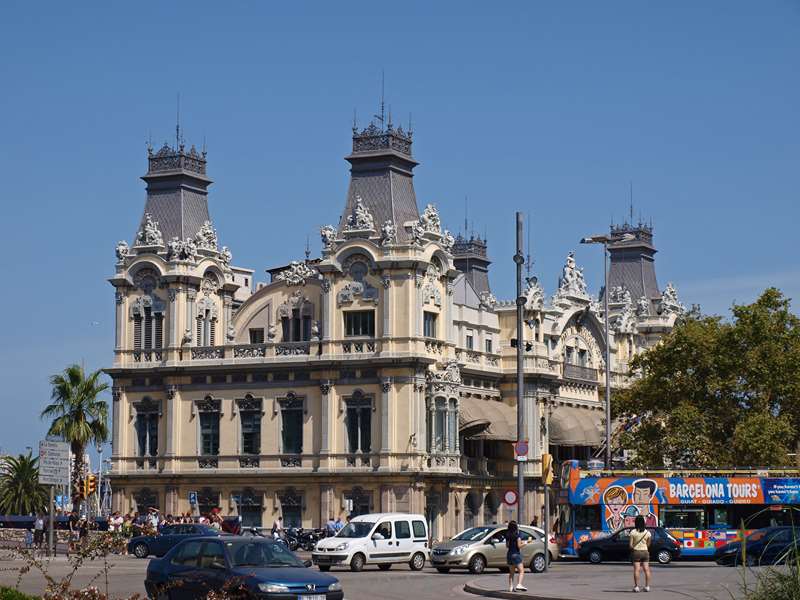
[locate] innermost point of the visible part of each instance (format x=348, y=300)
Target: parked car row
x=768, y=546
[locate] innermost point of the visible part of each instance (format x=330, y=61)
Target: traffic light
x=91, y=485
x=547, y=468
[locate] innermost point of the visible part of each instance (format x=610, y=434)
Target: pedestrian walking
x=639, y=543
x=514, y=558
x=38, y=531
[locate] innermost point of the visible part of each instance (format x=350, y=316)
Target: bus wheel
x=595, y=557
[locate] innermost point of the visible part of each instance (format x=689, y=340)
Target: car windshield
x=356, y=529
x=473, y=534
x=257, y=553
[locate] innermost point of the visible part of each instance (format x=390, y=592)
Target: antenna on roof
x=204, y=144
x=466, y=226
x=631, y=199
x=381, y=117
x=355, y=121
x=308, y=247
x=409, y=124
x=178, y=123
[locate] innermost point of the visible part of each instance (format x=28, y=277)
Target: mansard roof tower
x=382, y=177
x=633, y=260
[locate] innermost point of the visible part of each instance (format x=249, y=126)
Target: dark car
x=143, y=546
x=258, y=567
x=767, y=546
x=663, y=547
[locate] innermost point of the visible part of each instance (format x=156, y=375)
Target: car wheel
x=477, y=564
x=664, y=557
x=141, y=550
x=357, y=563
x=385, y=566
x=417, y=562
x=443, y=569
x=595, y=557
x=538, y=564
x=324, y=568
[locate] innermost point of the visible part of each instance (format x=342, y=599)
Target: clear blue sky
x=547, y=108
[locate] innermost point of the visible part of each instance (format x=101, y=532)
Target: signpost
x=53, y=471
x=510, y=497
x=521, y=451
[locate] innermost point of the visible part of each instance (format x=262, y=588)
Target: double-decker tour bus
x=701, y=509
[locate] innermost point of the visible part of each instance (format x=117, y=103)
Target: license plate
x=311, y=597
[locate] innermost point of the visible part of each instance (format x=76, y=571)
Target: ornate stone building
x=380, y=376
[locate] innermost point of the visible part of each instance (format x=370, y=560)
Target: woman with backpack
x=639, y=543
x=514, y=557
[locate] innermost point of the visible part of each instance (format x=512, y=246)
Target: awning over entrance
x=573, y=426
x=487, y=420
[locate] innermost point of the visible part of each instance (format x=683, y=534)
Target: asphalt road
x=566, y=579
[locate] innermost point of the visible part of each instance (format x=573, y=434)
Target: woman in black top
x=514, y=557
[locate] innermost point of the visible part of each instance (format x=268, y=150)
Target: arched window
x=147, y=413
x=358, y=420
x=147, y=313
x=295, y=316
x=206, y=322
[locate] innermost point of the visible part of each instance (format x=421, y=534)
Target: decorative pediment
x=154, y=303
x=146, y=280
x=250, y=403
x=149, y=236
x=182, y=250
x=445, y=379
x=430, y=286
x=296, y=274
x=534, y=294
x=295, y=301
x=571, y=283
x=205, y=306
x=208, y=404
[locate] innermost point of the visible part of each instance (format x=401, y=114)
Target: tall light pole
x=519, y=260
x=604, y=239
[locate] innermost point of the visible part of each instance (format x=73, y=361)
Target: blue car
x=143, y=546
x=243, y=566
x=767, y=546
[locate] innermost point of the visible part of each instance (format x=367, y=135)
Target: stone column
x=431, y=421
x=386, y=499
x=451, y=331
x=191, y=295
x=387, y=305
x=120, y=322
x=458, y=439
x=417, y=312
x=386, y=415
x=171, y=428
x=325, y=416
x=326, y=309
x=172, y=317
x=227, y=326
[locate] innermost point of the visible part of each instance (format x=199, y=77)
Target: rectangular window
x=452, y=424
x=209, y=433
x=251, y=431
x=359, y=425
x=488, y=345
x=137, y=332
x=147, y=433
x=429, y=322
x=257, y=336
x=692, y=518
x=419, y=529
x=251, y=516
x=359, y=323
x=470, y=342
x=159, y=331
x=292, y=426
x=402, y=530
x=148, y=329
x=296, y=325
x=439, y=426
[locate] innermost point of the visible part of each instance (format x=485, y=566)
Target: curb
x=470, y=588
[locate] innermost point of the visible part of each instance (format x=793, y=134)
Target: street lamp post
x=604, y=239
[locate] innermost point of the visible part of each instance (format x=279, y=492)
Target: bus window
x=684, y=517
x=587, y=517
x=720, y=518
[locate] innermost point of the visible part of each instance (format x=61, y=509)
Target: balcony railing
x=147, y=356
x=358, y=347
x=580, y=373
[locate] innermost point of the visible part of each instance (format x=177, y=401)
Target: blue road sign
x=193, y=498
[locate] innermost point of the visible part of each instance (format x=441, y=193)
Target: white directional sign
x=53, y=463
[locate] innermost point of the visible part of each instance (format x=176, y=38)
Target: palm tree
x=20, y=492
x=77, y=415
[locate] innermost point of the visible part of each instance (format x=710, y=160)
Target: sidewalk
x=581, y=581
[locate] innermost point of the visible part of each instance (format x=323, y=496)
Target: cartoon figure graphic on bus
x=615, y=498
x=644, y=490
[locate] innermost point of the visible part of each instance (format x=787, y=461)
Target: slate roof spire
x=633, y=262
x=177, y=190
x=381, y=176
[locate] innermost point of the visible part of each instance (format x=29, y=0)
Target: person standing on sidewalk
x=639, y=543
x=514, y=558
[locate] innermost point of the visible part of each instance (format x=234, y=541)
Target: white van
x=383, y=539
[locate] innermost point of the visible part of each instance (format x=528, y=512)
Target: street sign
x=193, y=498
x=53, y=463
x=510, y=497
x=521, y=450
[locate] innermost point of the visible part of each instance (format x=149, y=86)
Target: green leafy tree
x=76, y=413
x=20, y=492
x=716, y=393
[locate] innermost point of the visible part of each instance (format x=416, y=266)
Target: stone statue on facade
x=150, y=234
x=448, y=240
x=225, y=256
x=206, y=237
x=388, y=232
x=534, y=294
x=327, y=234
x=571, y=282
x=315, y=330
x=360, y=219
x=297, y=273
x=178, y=249
x=669, y=304
x=643, y=307
x=122, y=251
x=272, y=332
x=487, y=300
x=619, y=295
